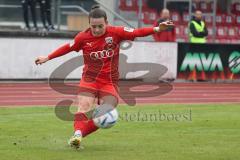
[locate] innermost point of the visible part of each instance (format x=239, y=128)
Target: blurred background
x=29, y=28
x=222, y=17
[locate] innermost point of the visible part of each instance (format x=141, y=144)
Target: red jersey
x=101, y=54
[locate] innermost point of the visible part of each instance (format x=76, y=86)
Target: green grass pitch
x=154, y=132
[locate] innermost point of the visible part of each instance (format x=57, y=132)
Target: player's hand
x=166, y=25
x=41, y=60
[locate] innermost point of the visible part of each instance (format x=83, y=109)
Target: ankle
x=77, y=133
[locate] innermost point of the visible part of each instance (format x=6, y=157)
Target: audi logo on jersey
x=102, y=54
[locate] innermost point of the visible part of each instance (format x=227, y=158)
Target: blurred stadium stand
x=227, y=19
x=72, y=15
x=12, y=24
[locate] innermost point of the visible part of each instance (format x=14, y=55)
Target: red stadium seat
x=209, y=39
x=222, y=32
x=229, y=20
x=196, y=5
x=232, y=32
x=205, y=7
x=152, y=16
x=235, y=41
x=220, y=40
x=238, y=32
x=235, y=8
x=186, y=39
x=144, y=5
x=208, y=19
x=185, y=30
x=180, y=30
x=149, y=16
x=236, y=37
x=181, y=33
x=225, y=40
x=237, y=20
x=182, y=39
x=128, y=5
x=212, y=6
x=210, y=32
x=142, y=17
x=176, y=18
x=186, y=18
x=220, y=19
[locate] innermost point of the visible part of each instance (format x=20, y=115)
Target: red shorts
x=99, y=89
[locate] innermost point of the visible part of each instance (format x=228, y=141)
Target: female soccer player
x=100, y=44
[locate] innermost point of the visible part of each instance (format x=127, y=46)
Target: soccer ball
x=105, y=116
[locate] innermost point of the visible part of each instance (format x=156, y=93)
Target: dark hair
x=96, y=12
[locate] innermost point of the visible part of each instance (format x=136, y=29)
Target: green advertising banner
x=208, y=61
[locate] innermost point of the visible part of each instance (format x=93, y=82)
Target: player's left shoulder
x=120, y=29
x=111, y=29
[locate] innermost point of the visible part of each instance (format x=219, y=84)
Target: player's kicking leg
x=83, y=122
x=82, y=125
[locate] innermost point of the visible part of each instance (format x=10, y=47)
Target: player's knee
x=84, y=106
x=111, y=100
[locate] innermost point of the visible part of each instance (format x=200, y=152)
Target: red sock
x=82, y=123
x=78, y=119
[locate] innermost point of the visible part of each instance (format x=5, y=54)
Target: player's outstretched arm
x=130, y=34
x=57, y=53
